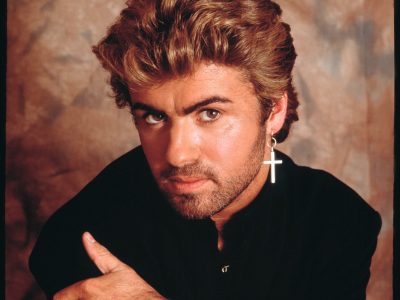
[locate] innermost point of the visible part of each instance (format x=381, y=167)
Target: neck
x=243, y=200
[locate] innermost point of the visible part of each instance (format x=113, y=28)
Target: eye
x=209, y=115
x=154, y=118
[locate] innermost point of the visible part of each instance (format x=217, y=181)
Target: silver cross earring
x=272, y=160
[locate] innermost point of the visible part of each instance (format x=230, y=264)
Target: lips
x=186, y=184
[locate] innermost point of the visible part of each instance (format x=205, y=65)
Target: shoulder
x=120, y=184
x=326, y=199
x=109, y=188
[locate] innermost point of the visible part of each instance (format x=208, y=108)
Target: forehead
x=208, y=80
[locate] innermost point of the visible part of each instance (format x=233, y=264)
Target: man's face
x=203, y=140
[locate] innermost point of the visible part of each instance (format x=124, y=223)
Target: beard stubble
x=205, y=204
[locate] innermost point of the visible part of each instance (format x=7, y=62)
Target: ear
x=278, y=114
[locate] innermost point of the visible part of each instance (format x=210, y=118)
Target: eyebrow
x=146, y=107
x=186, y=110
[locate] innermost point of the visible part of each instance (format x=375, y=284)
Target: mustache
x=193, y=170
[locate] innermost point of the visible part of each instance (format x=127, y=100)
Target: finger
x=102, y=258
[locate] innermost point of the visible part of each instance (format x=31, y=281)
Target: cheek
x=152, y=147
x=231, y=144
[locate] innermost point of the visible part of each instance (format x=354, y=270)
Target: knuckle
x=102, y=251
x=86, y=286
x=59, y=295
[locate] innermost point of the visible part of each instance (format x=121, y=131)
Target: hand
x=119, y=281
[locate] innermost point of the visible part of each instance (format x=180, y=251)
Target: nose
x=183, y=146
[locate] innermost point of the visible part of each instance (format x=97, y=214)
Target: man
x=204, y=209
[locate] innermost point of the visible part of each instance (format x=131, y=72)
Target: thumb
x=102, y=258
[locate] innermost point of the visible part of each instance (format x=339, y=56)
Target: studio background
x=63, y=127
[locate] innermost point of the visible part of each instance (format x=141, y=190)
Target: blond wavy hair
x=156, y=40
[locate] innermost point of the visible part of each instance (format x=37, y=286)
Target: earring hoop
x=271, y=144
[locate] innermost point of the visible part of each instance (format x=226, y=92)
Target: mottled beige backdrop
x=63, y=128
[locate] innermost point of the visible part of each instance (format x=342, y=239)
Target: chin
x=193, y=207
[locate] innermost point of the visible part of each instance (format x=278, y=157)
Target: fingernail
x=89, y=237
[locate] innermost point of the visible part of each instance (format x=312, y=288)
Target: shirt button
x=224, y=269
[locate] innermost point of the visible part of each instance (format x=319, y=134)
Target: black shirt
x=308, y=236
